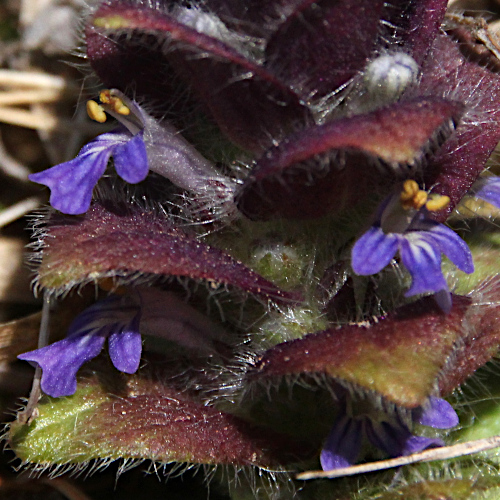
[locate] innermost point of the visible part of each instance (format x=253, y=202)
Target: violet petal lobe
x=125, y=346
x=131, y=160
x=443, y=300
x=373, y=251
x=343, y=444
x=488, y=189
x=396, y=439
x=423, y=261
x=448, y=243
x=61, y=360
x=71, y=183
x=437, y=413
x=416, y=444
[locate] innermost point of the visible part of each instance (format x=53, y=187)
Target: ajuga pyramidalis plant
x=263, y=233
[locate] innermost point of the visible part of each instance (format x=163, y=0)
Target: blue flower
x=113, y=318
x=71, y=183
x=122, y=319
x=403, y=226
x=389, y=434
x=141, y=144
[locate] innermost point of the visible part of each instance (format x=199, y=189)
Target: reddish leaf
x=147, y=420
x=249, y=104
x=324, y=44
x=255, y=17
x=128, y=61
x=482, y=342
x=463, y=157
x=415, y=24
x=107, y=242
x=403, y=356
x=329, y=167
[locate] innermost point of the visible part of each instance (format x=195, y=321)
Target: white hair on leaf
x=209, y=24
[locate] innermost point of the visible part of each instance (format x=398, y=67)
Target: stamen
x=410, y=188
x=437, y=202
x=412, y=196
x=96, y=112
x=114, y=103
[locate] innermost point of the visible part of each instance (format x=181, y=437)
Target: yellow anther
x=96, y=112
x=105, y=96
x=420, y=199
x=120, y=107
x=412, y=196
x=410, y=189
x=437, y=202
x=114, y=103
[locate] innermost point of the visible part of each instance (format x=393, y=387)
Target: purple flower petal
x=61, y=360
x=173, y=157
x=443, y=300
x=125, y=347
x=71, y=183
x=86, y=336
x=387, y=437
x=423, y=262
x=131, y=160
x=343, y=444
x=488, y=189
x=438, y=414
x=397, y=440
x=416, y=444
x=373, y=251
x=449, y=243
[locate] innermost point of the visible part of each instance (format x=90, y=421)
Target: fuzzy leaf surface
x=144, y=420
x=451, y=69
x=317, y=50
x=331, y=166
x=407, y=356
x=451, y=489
x=116, y=242
x=415, y=24
x=249, y=109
